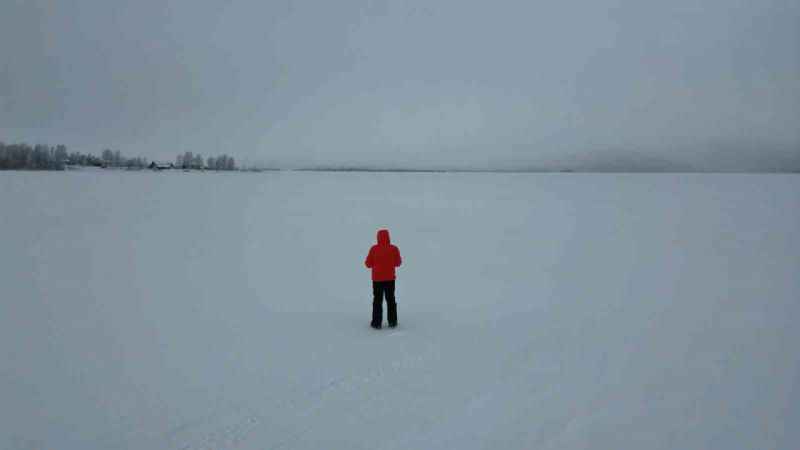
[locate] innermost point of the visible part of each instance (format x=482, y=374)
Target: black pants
x=379, y=290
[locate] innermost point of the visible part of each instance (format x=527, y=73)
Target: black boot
x=377, y=315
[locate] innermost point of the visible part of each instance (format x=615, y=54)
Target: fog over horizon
x=616, y=85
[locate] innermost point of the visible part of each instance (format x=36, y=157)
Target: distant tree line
x=113, y=158
x=42, y=157
x=37, y=157
x=188, y=160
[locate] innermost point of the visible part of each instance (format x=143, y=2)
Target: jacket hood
x=383, y=237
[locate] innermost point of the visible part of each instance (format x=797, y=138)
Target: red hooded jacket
x=383, y=258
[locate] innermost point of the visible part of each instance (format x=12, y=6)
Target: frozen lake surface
x=537, y=311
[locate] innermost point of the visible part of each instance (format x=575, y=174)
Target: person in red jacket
x=382, y=259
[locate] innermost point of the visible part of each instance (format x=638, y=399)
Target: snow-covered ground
x=537, y=311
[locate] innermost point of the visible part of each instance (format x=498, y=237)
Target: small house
x=160, y=166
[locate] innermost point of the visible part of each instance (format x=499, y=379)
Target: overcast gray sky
x=704, y=84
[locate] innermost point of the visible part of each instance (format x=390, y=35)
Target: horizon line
x=502, y=170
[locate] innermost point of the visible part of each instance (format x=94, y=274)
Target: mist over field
x=610, y=85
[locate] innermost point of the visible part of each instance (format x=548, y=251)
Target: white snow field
x=537, y=311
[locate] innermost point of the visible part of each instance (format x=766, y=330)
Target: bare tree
x=188, y=159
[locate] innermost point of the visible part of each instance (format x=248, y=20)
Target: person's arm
x=368, y=261
x=398, y=259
